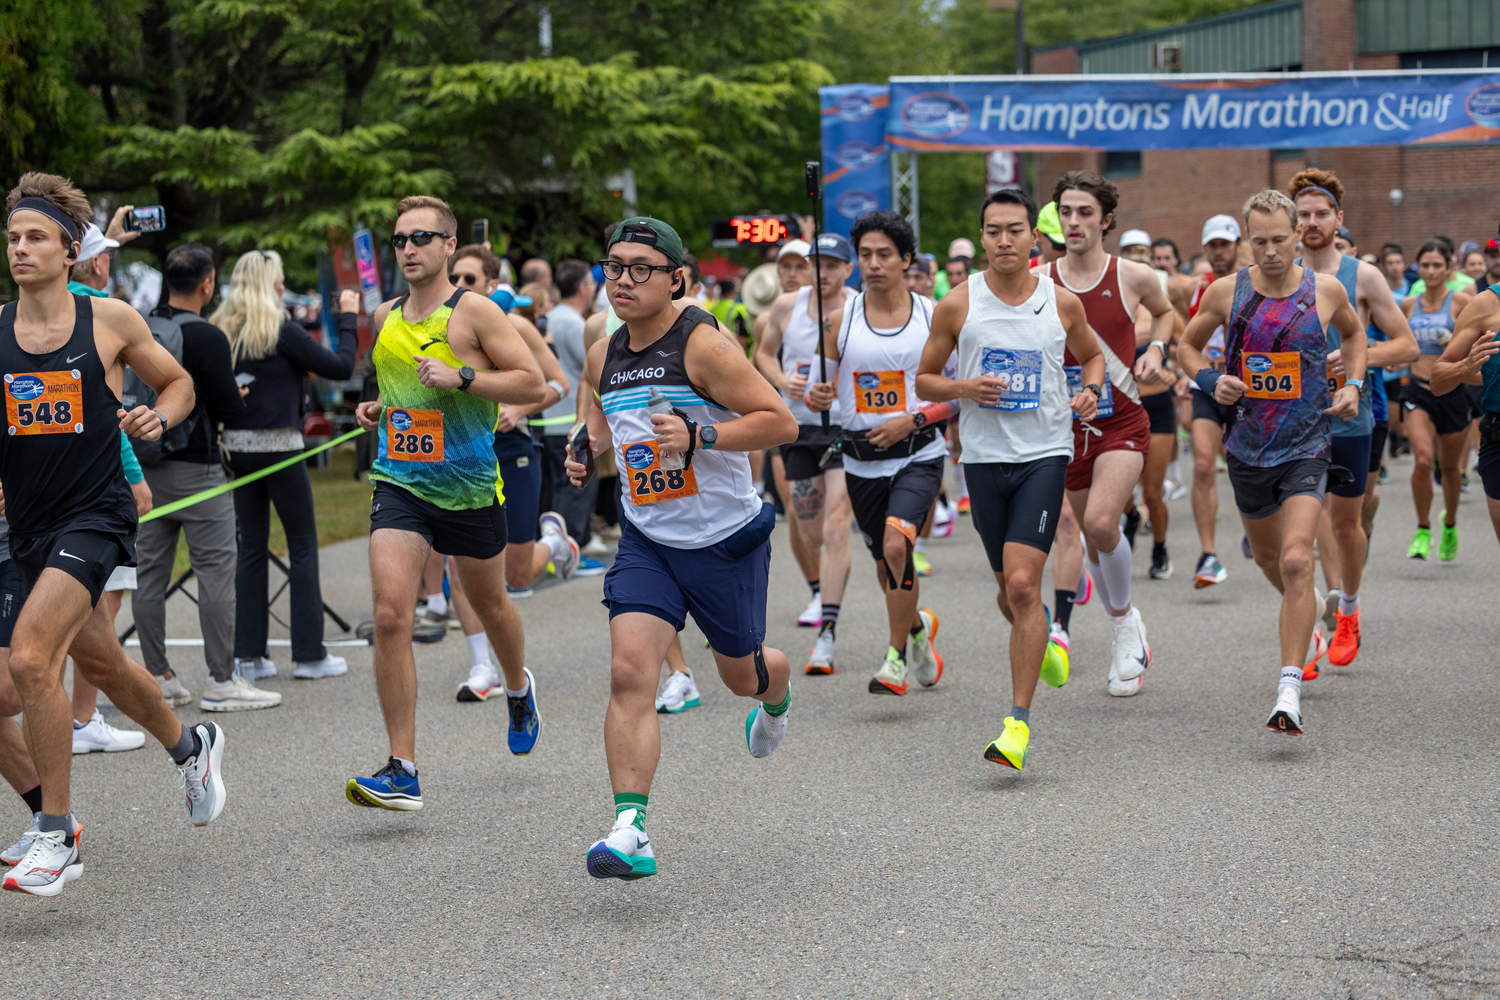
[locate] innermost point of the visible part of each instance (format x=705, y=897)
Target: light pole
x=1396, y=196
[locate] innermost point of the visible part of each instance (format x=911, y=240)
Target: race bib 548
x=44, y=403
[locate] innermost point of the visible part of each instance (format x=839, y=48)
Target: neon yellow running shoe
x=1010, y=748
x=1055, y=661
x=1421, y=544
x=1448, y=541
x=919, y=560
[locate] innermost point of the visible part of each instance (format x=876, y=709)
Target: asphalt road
x=1161, y=846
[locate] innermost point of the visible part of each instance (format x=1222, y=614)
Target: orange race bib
x=44, y=403
x=1273, y=374
x=1335, y=382
x=649, y=482
x=880, y=392
x=413, y=435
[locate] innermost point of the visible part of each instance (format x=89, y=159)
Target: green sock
x=774, y=711
x=632, y=800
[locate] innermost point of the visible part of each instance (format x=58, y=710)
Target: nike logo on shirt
x=1038, y=310
x=65, y=552
x=69, y=361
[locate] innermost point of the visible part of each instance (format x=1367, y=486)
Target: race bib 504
x=44, y=403
x=1273, y=375
x=649, y=482
x=413, y=435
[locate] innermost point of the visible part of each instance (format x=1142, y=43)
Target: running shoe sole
x=878, y=686
x=1281, y=722
x=993, y=753
x=69, y=873
x=606, y=862
x=682, y=706
x=932, y=639
x=1199, y=582
x=818, y=671
x=362, y=796
x=466, y=693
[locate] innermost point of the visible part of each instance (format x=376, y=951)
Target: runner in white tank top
x=1011, y=328
x=666, y=567
x=892, y=445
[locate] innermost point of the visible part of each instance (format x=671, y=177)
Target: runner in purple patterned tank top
x=1275, y=316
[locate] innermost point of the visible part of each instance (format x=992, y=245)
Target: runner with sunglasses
x=695, y=536
x=445, y=360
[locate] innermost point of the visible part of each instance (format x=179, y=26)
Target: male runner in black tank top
x=71, y=514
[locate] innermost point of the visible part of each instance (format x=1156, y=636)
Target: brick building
x=1448, y=189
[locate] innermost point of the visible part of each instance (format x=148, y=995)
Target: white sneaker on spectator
x=174, y=692
x=328, y=666
x=595, y=547
x=234, y=695
x=257, y=668
x=98, y=735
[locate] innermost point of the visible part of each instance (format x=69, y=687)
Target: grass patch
x=342, y=504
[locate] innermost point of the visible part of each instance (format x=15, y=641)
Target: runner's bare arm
x=1472, y=344
x=820, y=394
x=551, y=371
x=1142, y=280
x=1084, y=344
x=719, y=365
x=770, y=327
x=153, y=363
x=1213, y=312
x=481, y=336
x=1400, y=346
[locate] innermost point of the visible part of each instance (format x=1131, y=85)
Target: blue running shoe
x=525, y=721
x=589, y=567
x=624, y=854
x=390, y=788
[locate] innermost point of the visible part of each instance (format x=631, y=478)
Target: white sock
x=1348, y=604
x=759, y=486
x=479, y=646
x=556, y=543
x=920, y=545
x=437, y=603
x=1100, y=584
x=1291, y=680
x=961, y=480
x=1116, y=567
x=521, y=693
x=410, y=766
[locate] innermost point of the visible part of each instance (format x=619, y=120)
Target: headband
x=1322, y=191
x=51, y=211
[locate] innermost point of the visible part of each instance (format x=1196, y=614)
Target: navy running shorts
x=523, y=496
x=1352, y=453
x=1161, y=411
x=726, y=595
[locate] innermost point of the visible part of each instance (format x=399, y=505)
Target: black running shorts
x=12, y=596
x=1205, y=408
x=1161, y=411
x=88, y=556
x=802, y=456
x=475, y=534
x=1260, y=492
x=1016, y=502
x=1449, y=412
x=1377, y=446
x=906, y=497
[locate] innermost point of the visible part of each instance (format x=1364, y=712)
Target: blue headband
x=1324, y=191
x=51, y=211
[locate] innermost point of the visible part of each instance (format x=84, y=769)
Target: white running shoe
x=624, y=854
x=812, y=615
x=820, y=658
x=1059, y=635
x=595, y=547
x=1286, y=717
x=1131, y=656
x=255, y=668
x=1330, y=609
x=173, y=692
x=15, y=852
x=50, y=863
x=678, y=694
x=929, y=663
x=763, y=733
x=234, y=695
x=565, y=562
x=98, y=735
x=328, y=666
x=202, y=777
x=483, y=682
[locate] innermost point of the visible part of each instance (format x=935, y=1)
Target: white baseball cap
x=1135, y=238
x=1220, y=227
x=799, y=247
x=961, y=248
x=94, y=243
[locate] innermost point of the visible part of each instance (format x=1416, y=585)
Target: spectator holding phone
x=273, y=355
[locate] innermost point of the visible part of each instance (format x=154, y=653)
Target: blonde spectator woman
x=273, y=355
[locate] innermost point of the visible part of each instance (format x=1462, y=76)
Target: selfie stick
x=815, y=192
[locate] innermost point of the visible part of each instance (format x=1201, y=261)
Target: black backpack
x=168, y=333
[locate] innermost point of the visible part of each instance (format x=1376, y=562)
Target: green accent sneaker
x=1055, y=663
x=1010, y=748
x=920, y=563
x=1421, y=544
x=1448, y=541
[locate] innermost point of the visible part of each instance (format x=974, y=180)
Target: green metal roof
x=1426, y=25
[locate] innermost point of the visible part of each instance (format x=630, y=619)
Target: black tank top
x=60, y=452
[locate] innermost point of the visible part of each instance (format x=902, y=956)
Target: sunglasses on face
x=420, y=238
x=467, y=279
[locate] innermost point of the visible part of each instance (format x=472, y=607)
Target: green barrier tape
x=209, y=494
x=551, y=421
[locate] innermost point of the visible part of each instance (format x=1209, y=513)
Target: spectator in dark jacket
x=273, y=355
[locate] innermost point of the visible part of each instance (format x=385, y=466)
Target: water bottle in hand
x=668, y=460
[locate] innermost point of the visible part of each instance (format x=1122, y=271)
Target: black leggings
x=291, y=492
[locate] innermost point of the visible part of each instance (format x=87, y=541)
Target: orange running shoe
x=963, y=505
x=1345, y=645
x=1317, y=648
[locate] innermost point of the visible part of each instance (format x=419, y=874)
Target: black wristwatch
x=709, y=435
x=919, y=420
x=466, y=378
x=1098, y=393
x=162, y=419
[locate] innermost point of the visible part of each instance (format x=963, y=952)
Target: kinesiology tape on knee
x=762, y=675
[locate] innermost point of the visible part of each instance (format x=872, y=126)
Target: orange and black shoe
x=1346, y=640
x=820, y=659
x=1315, y=650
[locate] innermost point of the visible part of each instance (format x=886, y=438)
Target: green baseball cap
x=661, y=236
x=1048, y=224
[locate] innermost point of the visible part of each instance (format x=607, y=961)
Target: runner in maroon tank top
x=1109, y=451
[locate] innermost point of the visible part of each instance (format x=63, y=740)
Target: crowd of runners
x=1047, y=388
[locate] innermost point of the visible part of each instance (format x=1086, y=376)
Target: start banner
x=1182, y=111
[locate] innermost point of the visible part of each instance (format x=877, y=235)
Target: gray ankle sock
x=63, y=823
x=187, y=746
x=1020, y=714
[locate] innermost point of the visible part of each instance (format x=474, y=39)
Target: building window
x=1451, y=59
x=1122, y=164
x=1291, y=154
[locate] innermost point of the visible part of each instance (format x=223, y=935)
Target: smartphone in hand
x=150, y=219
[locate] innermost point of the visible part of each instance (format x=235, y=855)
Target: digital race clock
x=749, y=230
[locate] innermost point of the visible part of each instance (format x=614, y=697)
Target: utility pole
x=1019, y=8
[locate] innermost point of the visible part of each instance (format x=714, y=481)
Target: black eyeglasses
x=639, y=273
x=420, y=238
x=468, y=279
